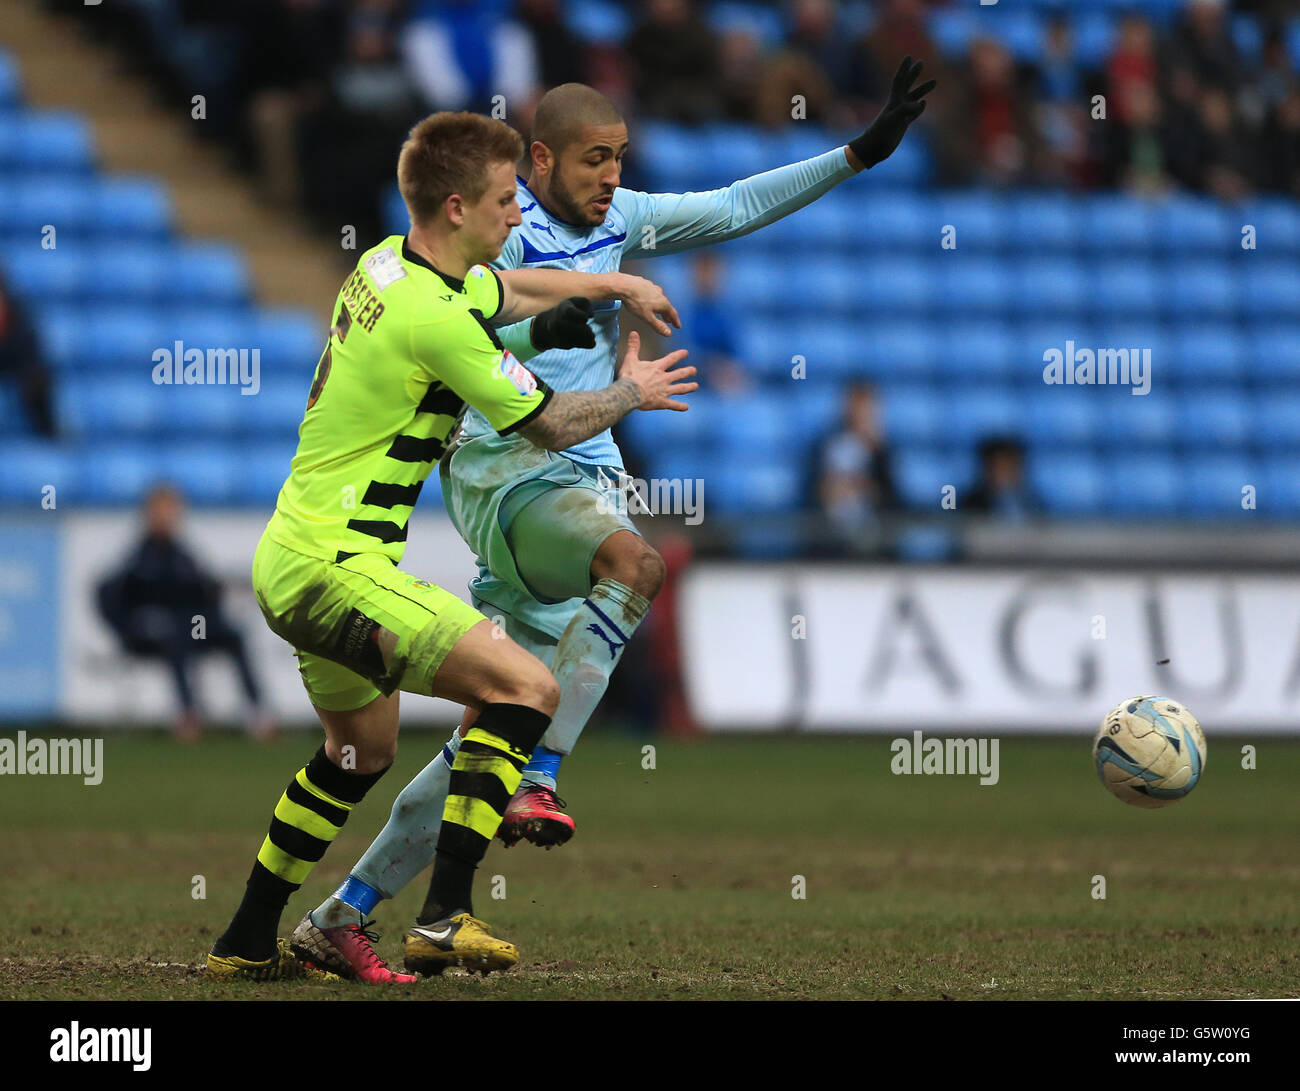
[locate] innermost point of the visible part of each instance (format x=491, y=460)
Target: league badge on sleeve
x=524, y=381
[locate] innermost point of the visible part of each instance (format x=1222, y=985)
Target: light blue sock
x=585, y=657
x=404, y=847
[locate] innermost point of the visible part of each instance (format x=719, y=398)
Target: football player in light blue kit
x=560, y=564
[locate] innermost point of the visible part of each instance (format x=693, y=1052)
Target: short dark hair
x=450, y=153
x=564, y=110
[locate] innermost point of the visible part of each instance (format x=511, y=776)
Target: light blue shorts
x=487, y=481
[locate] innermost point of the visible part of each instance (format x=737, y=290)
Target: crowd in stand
x=314, y=96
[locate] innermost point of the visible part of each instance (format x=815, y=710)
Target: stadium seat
x=1058, y=417
x=897, y=286
x=1200, y=289
x=1275, y=423
x=1270, y=289
x=1145, y=485
x=971, y=285
x=975, y=414
x=913, y=414
x=1050, y=286
x=1113, y=224
x=120, y=472
x=1278, y=496
x=10, y=88
x=977, y=353
x=903, y=351
x=1066, y=484
x=1124, y=287
x=1043, y=223
x=981, y=222
x=750, y=429
x=128, y=206
x=1277, y=225
x=45, y=141
x=895, y=222
x=1274, y=353
x=1146, y=423
x=1195, y=224
x=291, y=341
x=1208, y=354
x=33, y=464
x=209, y=273
x=206, y=472
x=1215, y=483
x=1220, y=421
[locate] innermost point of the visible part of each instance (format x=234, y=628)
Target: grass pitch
x=679, y=882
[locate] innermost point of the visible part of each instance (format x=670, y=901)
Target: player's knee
x=636, y=565
x=527, y=683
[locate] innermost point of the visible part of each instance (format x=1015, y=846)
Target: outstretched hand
x=905, y=105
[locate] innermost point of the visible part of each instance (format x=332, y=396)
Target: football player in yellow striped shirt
x=411, y=346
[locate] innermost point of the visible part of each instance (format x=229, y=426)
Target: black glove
x=904, y=107
x=564, y=326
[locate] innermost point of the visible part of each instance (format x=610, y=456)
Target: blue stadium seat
x=768, y=344
x=206, y=472
x=277, y=408
x=976, y=414
x=913, y=414
x=1067, y=484
x=1200, y=289
x=1145, y=423
x=31, y=465
x=117, y=406
x=131, y=273
x=123, y=337
x=397, y=220
x=56, y=276
x=1094, y=34
x=209, y=273
x=898, y=286
x=119, y=472
x=972, y=285
x=1275, y=422
x=1124, y=287
x=894, y=222
x=1057, y=417
x=1278, y=496
x=750, y=428
x=291, y=341
x=266, y=465
x=1270, y=289
x=1050, y=286
x=1208, y=353
x=1188, y=224
x=602, y=22
x=1115, y=223
x=920, y=475
x=1215, y=483
x=978, y=353
x=1274, y=353
x=981, y=222
x=1277, y=225
x=46, y=140
x=10, y=84
x=1043, y=222
x=909, y=166
x=127, y=206
x=901, y=351
x=1221, y=421
x=31, y=202
x=1145, y=485
x=765, y=24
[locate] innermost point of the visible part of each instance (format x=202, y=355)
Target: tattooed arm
x=572, y=416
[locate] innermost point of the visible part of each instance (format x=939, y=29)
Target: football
x=1149, y=751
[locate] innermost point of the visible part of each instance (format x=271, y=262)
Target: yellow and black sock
x=308, y=817
x=485, y=775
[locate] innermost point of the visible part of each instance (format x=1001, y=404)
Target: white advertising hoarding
x=885, y=648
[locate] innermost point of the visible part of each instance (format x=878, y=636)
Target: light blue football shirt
x=680, y=221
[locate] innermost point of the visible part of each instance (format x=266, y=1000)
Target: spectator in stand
x=709, y=328
x=560, y=52
x=292, y=47
x=1062, y=116
x=348, y=143
x=151, y=602
x=1228, y=157
x=462, y=54
x=675, y=54
x=855, y=481
x=990, y=129
x=1203, y=42
x=1001, y=489
x=816, y=62
x=21, y=362
x=1282, y=139
x=1132, y=70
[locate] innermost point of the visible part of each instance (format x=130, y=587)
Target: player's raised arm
x=573, y=416
x=668, y=223
x=528, y=292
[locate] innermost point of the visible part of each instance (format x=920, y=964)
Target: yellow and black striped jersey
x=409, y=349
